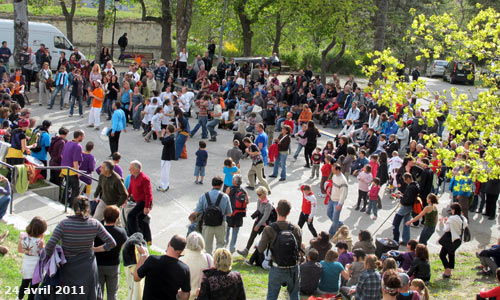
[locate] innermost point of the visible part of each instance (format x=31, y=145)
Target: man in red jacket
x=140, y=192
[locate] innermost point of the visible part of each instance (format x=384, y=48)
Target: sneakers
x=249, y=188
x=91, y=126
x=356, y=208
x=374, y=218
x=160, y=189
x=243, y=252
x=363, y=209
x=247, y=263
x=295, y=159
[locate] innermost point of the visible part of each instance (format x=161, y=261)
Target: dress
x=32, y=247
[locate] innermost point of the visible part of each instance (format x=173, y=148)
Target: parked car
x=436, y=68
x=460, y=71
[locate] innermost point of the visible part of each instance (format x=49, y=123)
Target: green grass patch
x=464, y=284
x=55, y=10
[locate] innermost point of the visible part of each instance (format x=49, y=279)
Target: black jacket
x=269, y=117
x=383, y=173
x=410, y=194
x=421, y=269
x=168, y=152
x=426, y=182
x=123, y=41
x=371, y=143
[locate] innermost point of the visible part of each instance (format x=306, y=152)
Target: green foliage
x=291, y=58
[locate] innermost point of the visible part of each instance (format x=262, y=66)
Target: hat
x=23, y=123
x=98, y=81
x=405, y=279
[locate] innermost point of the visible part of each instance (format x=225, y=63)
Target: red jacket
x=140, y=189
x=273, y=152
x=289, y=123
x=328, y=189
x=326, y=169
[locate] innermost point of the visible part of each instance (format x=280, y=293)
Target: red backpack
x=240, y=201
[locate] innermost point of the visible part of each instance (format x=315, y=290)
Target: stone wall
x=142, y=36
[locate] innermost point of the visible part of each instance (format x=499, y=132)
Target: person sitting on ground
x=321, y=244
x=490, y=259
x=343, y=235
x=391, y=283
x=330, y=273
x=405, y=259
x=369, y=284
x=420, y=267
x=494, y=292
x=365, y=242
x=345, y=257
x=419, y=286
x=310, y=273
x=354, y=270
x=404, y=291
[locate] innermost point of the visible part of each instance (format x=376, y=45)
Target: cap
x=23, y=123
x=98, y=81
x=405, y=279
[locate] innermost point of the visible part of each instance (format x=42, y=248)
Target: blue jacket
x=391, y=128
x=118, y=121
x=58, y=79
x=493, y=252
x=462, y=191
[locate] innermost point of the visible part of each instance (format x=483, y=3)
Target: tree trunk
x=183, y=22
x=277, y=37
x=166, y=39
x=100, y=30
x=325, y=63
x=380, y=25
x=20, y=27
x=247, y=34
x=68, y=16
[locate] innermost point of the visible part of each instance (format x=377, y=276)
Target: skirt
x=80, y=277
x=29, y=264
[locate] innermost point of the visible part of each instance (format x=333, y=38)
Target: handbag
x=49, y=84
x=465, y=232
x=445, y=239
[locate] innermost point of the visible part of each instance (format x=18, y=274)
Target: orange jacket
x=305, y=116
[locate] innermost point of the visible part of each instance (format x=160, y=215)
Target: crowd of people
x=384, y=152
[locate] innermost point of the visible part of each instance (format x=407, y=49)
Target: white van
x=39, y=33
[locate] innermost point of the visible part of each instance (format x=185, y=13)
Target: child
x=327, y=150
x=374, y=164
x=229, y=170
x=156, y=124
x=365, y=178
x=381, y=144
x=146, y=117
x=201, y=162
x=328, y=189
x=419, y=286
x=288, y=121
x=31, y=244
x=308, y=209
x=355, y=269
x=375, y=188
x=316, y=161
x=326, y=170
x=302, y=141
x=394, y=164
x=193, y=226
x=311, y=269
x=359, y=162
x=344, y=235
x=235, y=153
x=252, y=120
x=87, y=165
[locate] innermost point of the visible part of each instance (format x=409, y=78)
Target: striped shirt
x=203, y=104
x=77, y=236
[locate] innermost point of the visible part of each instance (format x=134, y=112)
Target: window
x=60, y=42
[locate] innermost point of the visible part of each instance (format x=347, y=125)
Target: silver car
x=436, y=68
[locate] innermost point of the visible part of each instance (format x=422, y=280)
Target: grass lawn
x=464, y=284
x=55, y=10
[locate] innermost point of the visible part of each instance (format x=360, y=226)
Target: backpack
x=240, y=201
x=418, y=206
x=213, y=214
x=273, y=216
x=285, y=248
x=36, y=137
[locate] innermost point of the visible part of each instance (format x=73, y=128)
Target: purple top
x=346, y=258
x=71, y=152
x=406, y=259
x=87, y=166
x=6, y=190
x=117, y=169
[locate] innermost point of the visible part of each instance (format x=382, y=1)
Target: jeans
x=136, y=118
x=4, y=204
x=426, y=234
x=403, y=214
x=80, y=107
x=202, y=122
x=211, y=127
x=108, y=275
x=74, y=185
x=278, y=277
x=334, y=215
x=280, y=163
x=372, y=205
x=278, y=124
x=180, y=140
x=234, y=238
x=299, y=148
x=110, y=108
x=61, y=89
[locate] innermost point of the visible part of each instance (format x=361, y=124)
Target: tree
x=20, y=27
x=101, y=16
x=248, y=13
x=380, y=24
x=165, y=21
x=68, y=16
x=183, y=14
x=473, y=121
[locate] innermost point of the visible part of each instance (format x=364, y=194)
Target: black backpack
x=285, y=248
x=36, y=137
x=213, y=214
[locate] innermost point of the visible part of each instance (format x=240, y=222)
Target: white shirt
x=183, y=56
x=107, y=70
x=395, y=163
x=186, y=99
x=160, y=101
x=156, y=121
x=217, y=110
x=454, y=225
x=197, y=262
x=353, y=114
x=165, y=95
x=167, y=109
x=148, y=113
x=225, y=116
x=240, y=82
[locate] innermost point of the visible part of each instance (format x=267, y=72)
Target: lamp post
x=113, y=33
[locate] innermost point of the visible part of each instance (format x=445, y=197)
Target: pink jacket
x=365, y=179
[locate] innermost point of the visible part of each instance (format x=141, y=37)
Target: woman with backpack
x=261, y=215
x=454, y=227
x=18, y=146
x=42, y=140
x=239, y=200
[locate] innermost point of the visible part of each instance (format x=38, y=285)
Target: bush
x=291, y=59
x=311, y=57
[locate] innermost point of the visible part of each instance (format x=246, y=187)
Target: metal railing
x=14, y=170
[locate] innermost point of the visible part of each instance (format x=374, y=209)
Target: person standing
x=451, y=240
x=283, y=147
x=60, y=82
x=40, y=151
x=337, y=197
x=72, y=157
x=77, y=94
x=183, y=131
x=492, y=191
x=95, y=111
x=215, y=206
x=55, y=150
x=5, y=55
x=108, y=263
x=118, y=124
x=139, y=190
x=311, y=135
x=183, y=58
x=239, y=200
x=44, y=76
x=257, y=165
x=110, y=190
x=211, y=50
x=167, y=155
x=166, y=276
x=123, y=43
x=261, y=142
x=202, y=117
x=217, y=116
x=404, y=213
x=269, y=119
x=284, y=239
